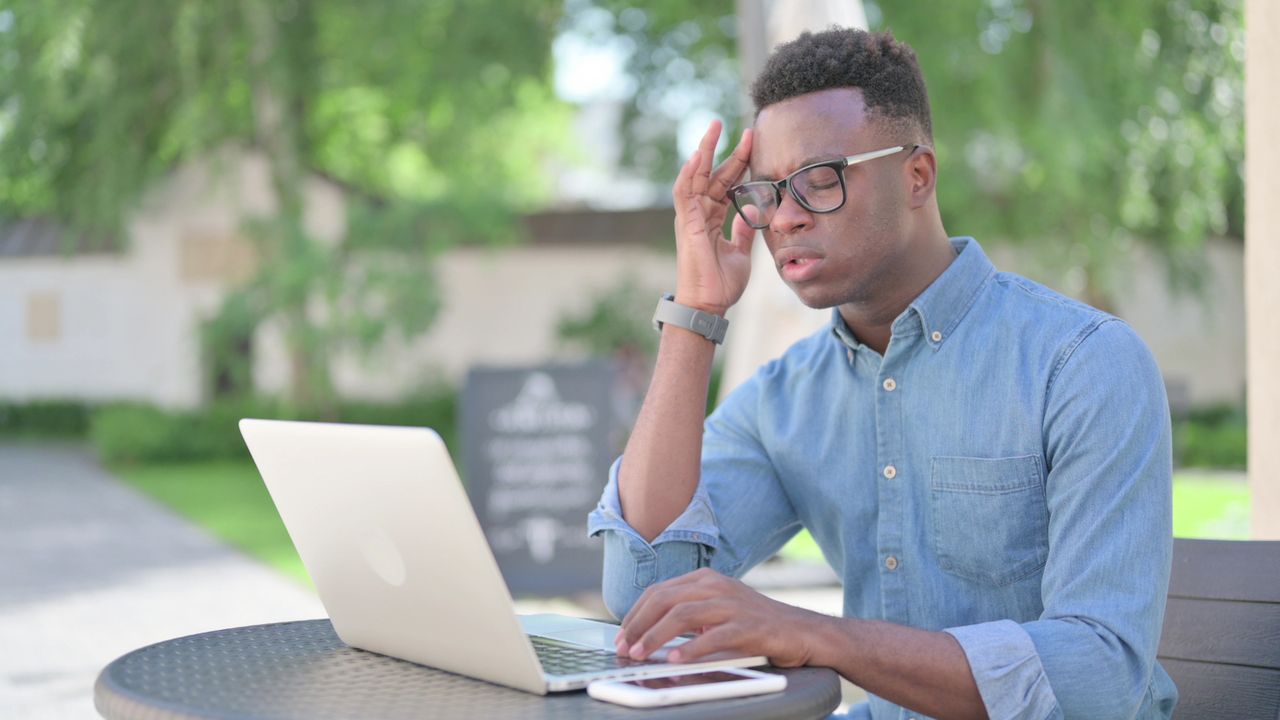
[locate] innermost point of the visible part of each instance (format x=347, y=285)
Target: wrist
x=710, y=326
x=705, y=307
x=826, y=640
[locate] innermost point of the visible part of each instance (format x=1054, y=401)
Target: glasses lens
x=756, y=203
x=820, y=188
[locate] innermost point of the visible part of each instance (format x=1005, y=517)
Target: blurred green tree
x=1080, y=130
x=434, y=116
x=1085, y=129
x=615, y=324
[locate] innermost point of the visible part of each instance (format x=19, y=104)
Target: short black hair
x=885, y=70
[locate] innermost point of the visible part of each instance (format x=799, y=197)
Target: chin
x=815, y=298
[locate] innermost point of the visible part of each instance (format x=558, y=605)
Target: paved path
x=91, y=569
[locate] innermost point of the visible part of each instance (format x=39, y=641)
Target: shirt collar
x=940, y=308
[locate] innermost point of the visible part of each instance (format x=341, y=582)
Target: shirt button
x=890, y=384
x=849, y=354
x=890, y=472
x=891, y=562
x=937, y=336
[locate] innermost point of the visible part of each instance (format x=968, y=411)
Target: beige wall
x=501, y=308
x=127, y=326
x=1262, y=256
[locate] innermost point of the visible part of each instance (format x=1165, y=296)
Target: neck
x=872, y=320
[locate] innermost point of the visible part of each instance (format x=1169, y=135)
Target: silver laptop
x=384, y=527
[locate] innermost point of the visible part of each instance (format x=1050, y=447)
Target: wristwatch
x=709, y=326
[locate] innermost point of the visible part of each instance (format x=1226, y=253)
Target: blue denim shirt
x=1002, y=473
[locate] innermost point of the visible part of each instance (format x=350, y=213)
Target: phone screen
x=705, y=678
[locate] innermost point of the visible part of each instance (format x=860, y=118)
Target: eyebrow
x=812, y=159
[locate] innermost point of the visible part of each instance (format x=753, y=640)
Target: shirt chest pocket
x=990, y=520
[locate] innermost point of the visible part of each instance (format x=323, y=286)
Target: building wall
x=127, y=326
x=103, y=333
x=501, y=308
x=1198, y=342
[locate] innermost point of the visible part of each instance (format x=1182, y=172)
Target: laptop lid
x=386, y=531
x=384, y=527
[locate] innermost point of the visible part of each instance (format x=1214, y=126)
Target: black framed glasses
x=819, y=188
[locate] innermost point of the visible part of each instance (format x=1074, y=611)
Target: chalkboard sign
x=537, y=443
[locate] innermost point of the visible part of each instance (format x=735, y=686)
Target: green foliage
x=129, y=433
x=44, y=419
x=1215, y=437
x=400, y=100
x=1078, y=129
x=437, y=411
x=132, y=433
x=1084, y=128
x=615, y=323
x=434, y=116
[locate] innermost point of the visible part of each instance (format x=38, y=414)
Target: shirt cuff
x=696, y=524
x=1007, y=669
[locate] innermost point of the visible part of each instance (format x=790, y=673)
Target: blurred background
x=330, y=210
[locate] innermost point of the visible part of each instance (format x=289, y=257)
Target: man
x=985, y=462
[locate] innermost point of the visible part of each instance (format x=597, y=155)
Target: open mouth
x=799, y=269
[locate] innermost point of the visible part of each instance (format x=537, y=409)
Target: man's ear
x=922, y=173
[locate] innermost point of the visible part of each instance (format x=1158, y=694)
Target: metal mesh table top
x=302, y=670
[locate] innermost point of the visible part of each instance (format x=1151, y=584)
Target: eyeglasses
x=818, y=188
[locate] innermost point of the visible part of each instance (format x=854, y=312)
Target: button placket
x=889, y=452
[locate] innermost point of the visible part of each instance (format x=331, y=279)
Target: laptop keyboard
x=563, y=659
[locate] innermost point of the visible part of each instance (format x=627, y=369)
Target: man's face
x=852, y=254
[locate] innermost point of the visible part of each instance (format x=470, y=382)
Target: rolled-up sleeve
x=1007, y=669
x=631, y=563
x=739, y=515
x=1091, y=653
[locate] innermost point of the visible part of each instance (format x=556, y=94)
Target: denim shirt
x=1003, y=473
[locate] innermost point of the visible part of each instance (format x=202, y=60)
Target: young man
x=985, y=462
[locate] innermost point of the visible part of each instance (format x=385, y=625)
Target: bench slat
x=1207, y=691
x=1226, y=570
x=1240, y=633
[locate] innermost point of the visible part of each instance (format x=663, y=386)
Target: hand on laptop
x=726, y=615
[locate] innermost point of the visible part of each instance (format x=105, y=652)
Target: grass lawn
x=229, y=500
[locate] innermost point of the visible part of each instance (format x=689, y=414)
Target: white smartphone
x=687, y=687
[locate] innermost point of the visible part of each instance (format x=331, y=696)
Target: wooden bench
x=1221, y=639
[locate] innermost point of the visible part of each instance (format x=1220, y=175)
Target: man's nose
x=791, y=216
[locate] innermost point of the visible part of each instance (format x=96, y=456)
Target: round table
x=302, y=670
